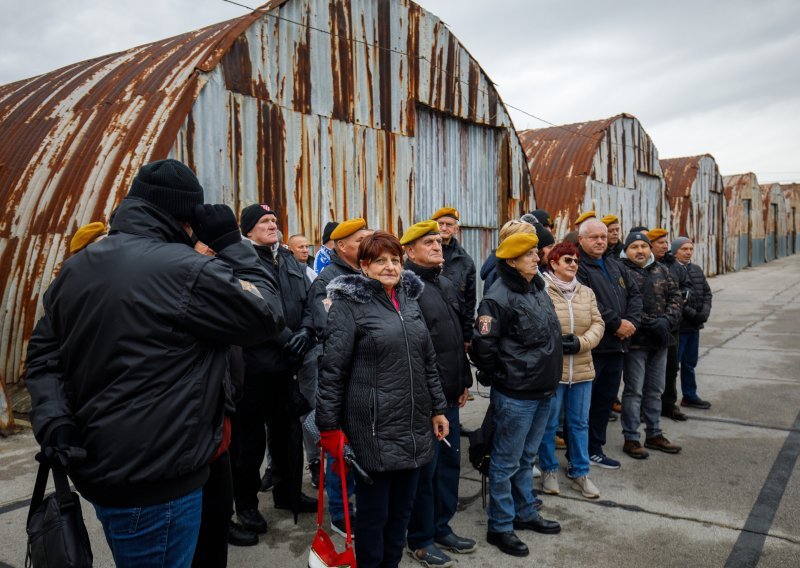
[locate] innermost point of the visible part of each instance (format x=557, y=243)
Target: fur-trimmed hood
x=358, y=288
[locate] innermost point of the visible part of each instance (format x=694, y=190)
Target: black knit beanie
x=330, y=227
x=251, y=215
x=633, y=237
x=546, y=238
x=171, y=186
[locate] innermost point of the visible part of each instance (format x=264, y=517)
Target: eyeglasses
x=569, y=260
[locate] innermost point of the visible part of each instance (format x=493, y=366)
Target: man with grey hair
x=620, y=304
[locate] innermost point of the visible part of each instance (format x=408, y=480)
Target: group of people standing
x=185, y=346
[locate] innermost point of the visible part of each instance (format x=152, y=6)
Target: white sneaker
x=537, y=473
x=586, y=487
x=550, y=483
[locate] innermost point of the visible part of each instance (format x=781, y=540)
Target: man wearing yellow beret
x=437, y=491
x=458, y=265
x=517, y=348
x=583, y=217
x=614, y=243
x=86, y=235
x=346, y=237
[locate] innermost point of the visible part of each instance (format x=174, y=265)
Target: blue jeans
x=518, y=429
x=688, y=350
x=437, y=490
x=153, y=536
x=645, y=373
x=575, y=400
x=333, y=486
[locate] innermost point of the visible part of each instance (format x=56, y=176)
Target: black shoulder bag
x=56, y=533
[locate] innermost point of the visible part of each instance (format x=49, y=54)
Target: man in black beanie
x=125, y=368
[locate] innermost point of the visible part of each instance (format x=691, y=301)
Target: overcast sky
x=721, y=77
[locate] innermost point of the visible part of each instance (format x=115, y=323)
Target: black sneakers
x=696, y=403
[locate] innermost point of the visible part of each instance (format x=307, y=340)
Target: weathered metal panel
x=6, y=414
x=744, y=217
x=696, y=195
x=479, y=243
x=317, y=123
x=609, y=166
x=792, y=193
x=774, y=213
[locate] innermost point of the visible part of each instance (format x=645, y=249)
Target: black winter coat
x=460, y=269
x=617, y=296
x=517, y=337
x=489, y=271
x=441, y=312
x=318, y=294
x=378, y=379
x=681, y=278
x=661, y=299
x=133, y=348
x=698, y=305
x=290, y=276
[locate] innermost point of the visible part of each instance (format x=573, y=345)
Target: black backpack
x=480, y=448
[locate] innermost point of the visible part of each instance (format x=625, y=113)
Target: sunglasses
x=569, y=260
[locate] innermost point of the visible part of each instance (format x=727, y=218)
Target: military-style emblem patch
x=249, y=287
x=326, y=303
x=485, y=324
x=621, y=282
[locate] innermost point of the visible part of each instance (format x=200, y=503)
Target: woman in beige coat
x=582, y=328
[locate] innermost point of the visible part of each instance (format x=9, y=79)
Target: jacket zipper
x=571, y=330
x=374, y=398
x=411, y=376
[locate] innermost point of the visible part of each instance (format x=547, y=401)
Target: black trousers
x=669, y=399
x=266, y=402
x=212, y=542
x=608, y=373
x=384, y=509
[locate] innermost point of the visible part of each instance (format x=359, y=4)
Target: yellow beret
x=654, y=234
x=347, y=228
x=445, y=212
x=583, y=216
x=85, y=235
x=610, y=220
x=419, y=230
x=516, y=245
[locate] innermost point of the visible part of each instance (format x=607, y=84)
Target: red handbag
x=323, y=552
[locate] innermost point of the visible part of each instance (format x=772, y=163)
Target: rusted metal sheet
x=745, y=244
x=6, y=415
x=792, y=193
x=697, y=201
x=774, y=213
x=609, y=166
x=308, y=104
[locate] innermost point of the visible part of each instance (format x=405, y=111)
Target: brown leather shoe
x=678, y=416
x=661, y=443
x=634, y=449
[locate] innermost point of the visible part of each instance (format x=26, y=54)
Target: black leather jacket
x=460, y=269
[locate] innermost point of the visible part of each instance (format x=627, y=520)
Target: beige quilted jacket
x=581, y=317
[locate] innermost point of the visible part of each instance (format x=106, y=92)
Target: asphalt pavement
x=730, y=498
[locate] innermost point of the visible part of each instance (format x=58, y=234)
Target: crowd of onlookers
x=182, y=348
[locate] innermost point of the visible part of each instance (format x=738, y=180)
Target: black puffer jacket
x=517, y=338
x=681, y=278
x=698, y=305
x=283, y=268
x=460, y=269
x=378, y=379
x=440, y=309
x=133, y=348
x=661, y=299
x=617, y=296
x=318, y=294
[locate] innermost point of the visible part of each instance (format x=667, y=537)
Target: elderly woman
x=582, y=328
x=517, y=345
x=378, y=387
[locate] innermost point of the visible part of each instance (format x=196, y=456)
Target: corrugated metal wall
x=697, y=199
x=319, y=123
x=792, y=193
x=608, y=166
x=774, y=212
x=745, y=222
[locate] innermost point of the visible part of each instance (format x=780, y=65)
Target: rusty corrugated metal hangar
x=774, y=212
x=745, y=243
x=325, y=109
x=697, y=201
x=606, y=166
x=792, y=193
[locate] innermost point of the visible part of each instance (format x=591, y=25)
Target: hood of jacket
x=139, y=217
x=358, y=288
x=623, y=255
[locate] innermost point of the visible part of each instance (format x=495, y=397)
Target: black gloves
x=216, y=226
x=689, y=313
x=659, y=328
x=570, y=343
x=64, y=444
x=298, y=344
